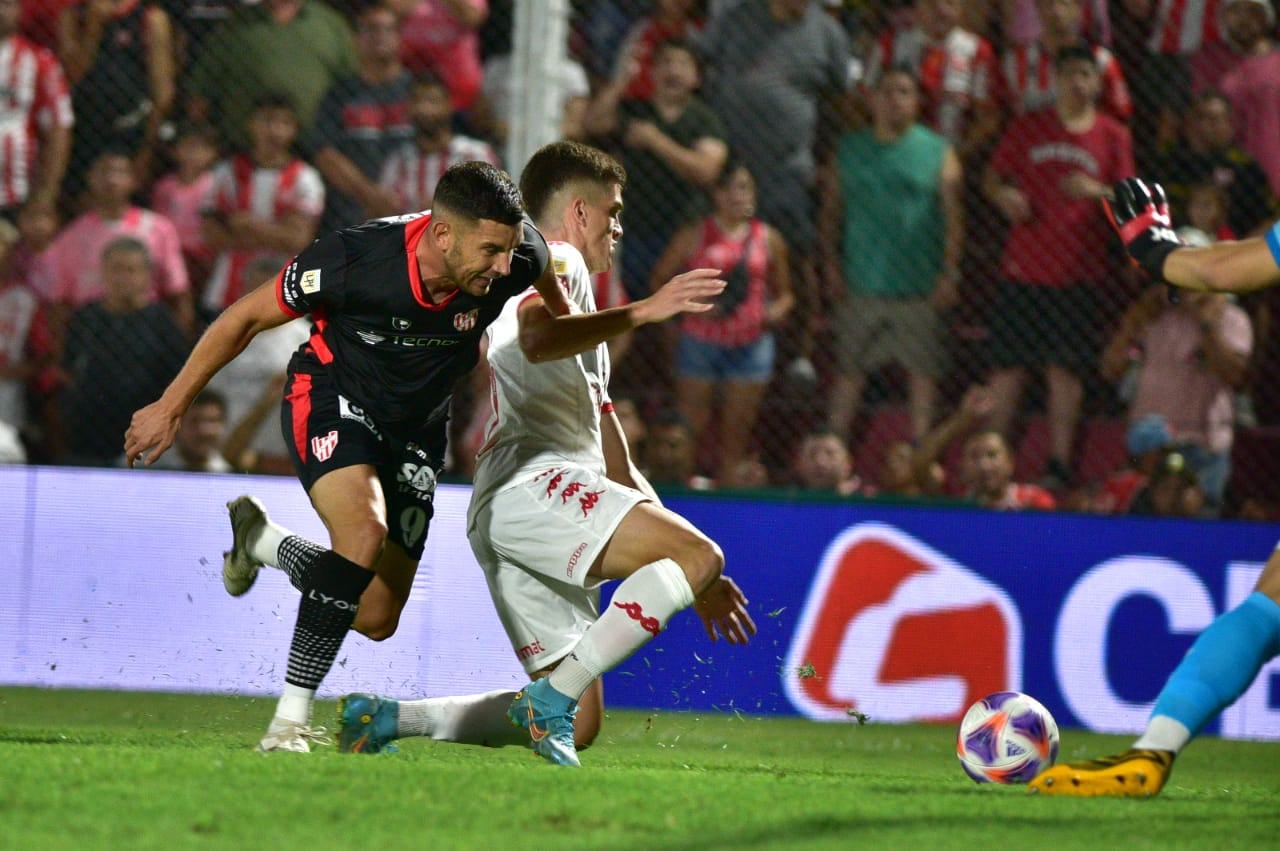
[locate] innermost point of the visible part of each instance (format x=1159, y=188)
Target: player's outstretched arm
x=1140, y=214
x=152, y=428
x=556, y=333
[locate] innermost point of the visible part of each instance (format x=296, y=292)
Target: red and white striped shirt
x=33, y=99
x=957, y=74
x=413, y=175
x=1184, y=26
x=1027, y=81
x=239, y=186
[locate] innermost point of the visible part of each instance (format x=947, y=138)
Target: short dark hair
x=900, y=69
x=428, y=80
x=678, y=42
x=274, y=100
x=478, y=190
x=126, y=245
x=1080, y=51
x=209, y=396
x=558, y=164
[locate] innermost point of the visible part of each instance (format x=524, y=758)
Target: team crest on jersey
x=465, y=321
x=322, y=447
x=310, y=282
x=400, y=324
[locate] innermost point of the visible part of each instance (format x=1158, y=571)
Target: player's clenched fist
x=1140, y=214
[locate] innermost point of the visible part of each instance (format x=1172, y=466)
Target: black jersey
x=375, y=329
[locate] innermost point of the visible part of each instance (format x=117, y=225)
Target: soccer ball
x=1007, y=737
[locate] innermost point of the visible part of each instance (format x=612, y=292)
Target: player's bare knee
x=378, y=625
x=362, y=541
x=702, y=561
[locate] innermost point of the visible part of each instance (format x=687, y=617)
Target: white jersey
x=544, y=413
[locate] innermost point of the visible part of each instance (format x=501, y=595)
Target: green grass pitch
x=88, y=770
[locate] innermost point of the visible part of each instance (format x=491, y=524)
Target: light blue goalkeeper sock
x=1221, y=664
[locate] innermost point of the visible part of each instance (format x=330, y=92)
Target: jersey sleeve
x=1273, y=242
x=316, y=279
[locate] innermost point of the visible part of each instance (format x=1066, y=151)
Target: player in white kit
x=558, y=507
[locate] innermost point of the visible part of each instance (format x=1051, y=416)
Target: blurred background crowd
x=924, y=302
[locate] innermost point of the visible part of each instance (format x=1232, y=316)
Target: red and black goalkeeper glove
x=1140, y=214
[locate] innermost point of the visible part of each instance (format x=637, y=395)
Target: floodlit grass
x=125, y=770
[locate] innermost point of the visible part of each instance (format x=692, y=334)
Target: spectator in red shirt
x=987, y=470
x=1046, y=177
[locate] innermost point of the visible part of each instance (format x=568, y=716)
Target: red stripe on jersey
x=606, y=408
x=300, y=408
x=317, y=343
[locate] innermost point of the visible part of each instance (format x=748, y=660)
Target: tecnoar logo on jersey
x=896, y=630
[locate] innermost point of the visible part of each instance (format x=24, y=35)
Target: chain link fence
x=925, y=298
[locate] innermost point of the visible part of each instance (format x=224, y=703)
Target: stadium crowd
x=924, y=300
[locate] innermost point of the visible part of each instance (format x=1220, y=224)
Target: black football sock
x=297, y=556
x=329, y=603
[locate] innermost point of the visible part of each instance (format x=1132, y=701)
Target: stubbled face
x=988, y=465
x=603, y=228
x=823, y=463
x=480, y=252
x=430, y=109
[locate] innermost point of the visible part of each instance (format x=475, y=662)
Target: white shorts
x=536, y=541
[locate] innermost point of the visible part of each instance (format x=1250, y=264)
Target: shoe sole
x=239, y=569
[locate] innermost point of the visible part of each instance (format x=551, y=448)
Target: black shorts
x=325, y=431
x=1036, y=326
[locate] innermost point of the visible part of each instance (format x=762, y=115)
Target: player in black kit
x=398, y=308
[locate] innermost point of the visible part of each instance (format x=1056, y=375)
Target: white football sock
x=640, y=609
x=1164, y=734
x=295, y=704
x=472, y=719
x=266, y=543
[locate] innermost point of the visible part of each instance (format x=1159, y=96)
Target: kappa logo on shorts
x=466, y=321
x=322, y=447
x=573, y=559
x=901, y=632
x=588, y=501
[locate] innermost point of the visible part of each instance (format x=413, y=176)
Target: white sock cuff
x=673, y=580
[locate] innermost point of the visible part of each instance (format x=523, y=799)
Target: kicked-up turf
x=82, y=770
